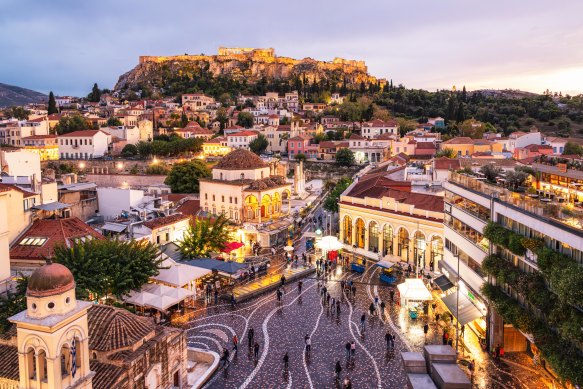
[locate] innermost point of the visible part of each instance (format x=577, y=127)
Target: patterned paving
x=280, y=327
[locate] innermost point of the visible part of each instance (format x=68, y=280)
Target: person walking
x=376, y=300
x=300, y=284
x=308, y=343
x=437, y=318
x=392, y=293
x=393, y=341
x=471, y=367
x=235, y=343
x=278, y=294
x=216, y=296
x=232, y=300
x=372, y=309
x=282, y=280
x=250, y=336
x=338, y=370
x=256, y=350
x=463, y=330
x=353, y=291
x=382, y=312
x=352, y=349
x=362, y=322
x=338, y=307
x=497, y=353
x=225, y=358
x=328, y=299
x=425, y=330
x=347, y=347
x=286, y=361
x=388, y=337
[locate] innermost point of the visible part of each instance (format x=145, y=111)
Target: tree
x=300, y=157
x=572, y=148
x=490, y=172
x=95, y=94
x=114, y=122
x=446, y=152
x=205, y=236
x=331, y=202
x=516, y=179
x=184, y=176
x=13, y=302
x=18, y=113
x=104, y=267
x=129, y=150
x=157, y=169
x=245, y=119
x=344, y=157
x=52, y=108
x=259, y=144
x=72, y=123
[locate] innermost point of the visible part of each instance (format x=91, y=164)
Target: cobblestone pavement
x=280, y=327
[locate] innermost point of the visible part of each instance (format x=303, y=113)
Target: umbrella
x=180, y=275
x=162, y=303
x=232, y=246
x=139, y=298
x=157, y=289
x=288, y=248
x=180, y=293
x=329, y=243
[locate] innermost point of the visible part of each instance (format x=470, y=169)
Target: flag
x=74, y=358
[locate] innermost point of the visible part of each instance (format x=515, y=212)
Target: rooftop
x=240, y=159
x=165, y=221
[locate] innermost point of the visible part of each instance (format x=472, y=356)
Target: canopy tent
x=179, y=274
x=385, y=264
x=157, y=289
x=139, y=298
x=162, y=303
x=232, y=246
x=467, y=310
x=412, y=290
x=443, y=283
x=329, y=243
x=230, y=268
x=180, y=293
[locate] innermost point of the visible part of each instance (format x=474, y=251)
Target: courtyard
x=280, y=327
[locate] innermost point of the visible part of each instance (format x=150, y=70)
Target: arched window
x=65, y=360
x=31, y=363
x=242, y=176
x=221, y=176
x=347, y=226
x=42, y=365
x=420, y=248
x=403, y=244
x=373, y=237
x=387, y=239
x=360, y=231
x=436, y=252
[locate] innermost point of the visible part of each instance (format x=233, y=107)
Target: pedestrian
x=362, y=322
x=308, y=343
x=409, y=269
x=256, y=350
x=433, y=306
x=445, y=336
x=437, y=317
x=286, y=361
x=347, y=347
x=376, y=300
x=352, y=349
x=388, y=337
x=333, y=302
x=426, y=329
x=235, y=343
x=392, y=342
x=232, y=300
x=250, y=336
x=216, y=296
x=463, y=330
x=383, y=307
x=282, y=280
x=392, y=293
x=225, y=358
x=338, y=307
x=353, y=291
x=338, y=370
x=300, y=286
x=328, y=299
x=278, y=294
x=371, y=308
x=347, y=383
x=471, y=367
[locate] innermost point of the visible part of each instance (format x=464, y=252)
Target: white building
x=130, y=134
x=113, y=201
x=241, y=140
x=20, y=163
x=85, y=144
x=377, y=127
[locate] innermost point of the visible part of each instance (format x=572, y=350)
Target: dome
x=240, y=159
x=50, y=280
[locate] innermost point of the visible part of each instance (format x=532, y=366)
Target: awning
x=443, y=283
x=115, y=227
x=414, y=289
x=467, y=310
x=180, y=274
x=385, y=264
x=232, y=246
x=55, y=206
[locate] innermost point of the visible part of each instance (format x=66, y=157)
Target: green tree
x=259, y=144
x=18, y=113
x=129, y=150
x=114, y=122
x=446, y=152
x=572, y=148
x=184, y=176
x=95, y=94
x=12, y=302
x=157, y=169
x=490, y=172
x=331, y=202
x=144, y=149
x=222, y=118
x=52, y=107
x=245, y=119
x=205, y=236
x=72, y=123
x=300, y=157
x=105, y=267
x=344, y=157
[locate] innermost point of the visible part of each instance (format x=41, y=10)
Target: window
x=235, y=200
x=231, y=199
x=206, y=196
x=213, y=197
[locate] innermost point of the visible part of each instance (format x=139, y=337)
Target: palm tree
x=205, y=236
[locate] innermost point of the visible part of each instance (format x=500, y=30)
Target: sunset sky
x=532, y=45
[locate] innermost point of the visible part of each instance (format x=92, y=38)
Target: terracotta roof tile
x=445, y=163
x=165, y=221
x=56, y=232
x=240, y=159
x=107, y=376
x=189, y=208
x=9, y=362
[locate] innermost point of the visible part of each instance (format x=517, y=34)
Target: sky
x=532, y=45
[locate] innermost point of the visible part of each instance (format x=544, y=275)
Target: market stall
x=413, y=293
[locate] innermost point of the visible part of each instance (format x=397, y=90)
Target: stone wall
x=124, y=180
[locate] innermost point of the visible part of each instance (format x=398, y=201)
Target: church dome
x=49, y=280
x=240, y=159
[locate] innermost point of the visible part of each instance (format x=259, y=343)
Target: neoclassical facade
x=383, y=219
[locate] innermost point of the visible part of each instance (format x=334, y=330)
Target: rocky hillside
x=11, y=95
x=216, y=74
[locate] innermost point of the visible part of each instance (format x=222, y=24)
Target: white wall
x=112, y=201
x=97, y=148
x=21, y=163
x=4, y=242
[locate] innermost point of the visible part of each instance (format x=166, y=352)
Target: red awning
x=232, y=246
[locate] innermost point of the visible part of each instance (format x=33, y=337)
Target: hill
x=13, y=95
x=245, y=71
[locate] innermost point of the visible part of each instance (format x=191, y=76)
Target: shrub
x=496, y=234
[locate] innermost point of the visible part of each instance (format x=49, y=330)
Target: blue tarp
x=228, y=267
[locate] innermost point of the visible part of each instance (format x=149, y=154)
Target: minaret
x=52, y=333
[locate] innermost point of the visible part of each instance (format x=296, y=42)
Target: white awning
x=162, y=303
x=139, y=298
x=180, y=274
x=468, y=312
x=385, y=264
x=414, y=289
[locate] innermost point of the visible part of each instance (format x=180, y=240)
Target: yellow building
x=44, y=145
x=466, y=147
x=216, y=147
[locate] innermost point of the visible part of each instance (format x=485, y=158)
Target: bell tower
x=52, y=333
